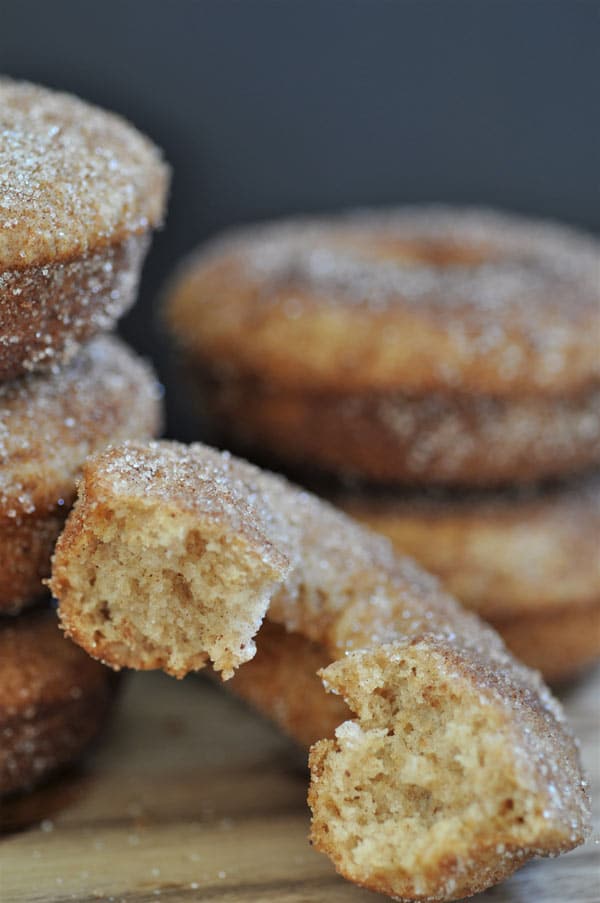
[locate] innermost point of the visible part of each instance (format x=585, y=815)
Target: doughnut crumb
x=163, y=564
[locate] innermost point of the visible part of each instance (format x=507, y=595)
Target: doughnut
x=80, y=192
x=374, y=342
x=49, y=423
x=422, y=299
x=526, y=560
x=459, y=765
x=439, y=440
x=54, y=700
x=282, y=683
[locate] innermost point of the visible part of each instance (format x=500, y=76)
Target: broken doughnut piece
x=166, y=561
x=447, y=781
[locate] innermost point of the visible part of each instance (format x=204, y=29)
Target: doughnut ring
x=80, y=192
x=459, y=765
x=369, y=341
x=54, y=700
x=422, y=441
x=49, y=423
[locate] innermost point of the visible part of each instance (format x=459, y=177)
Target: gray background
x=266, y=107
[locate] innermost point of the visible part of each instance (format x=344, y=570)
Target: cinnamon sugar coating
x=49, y=423
x=53, y=700
x=414, y=300
x=48, y=311
x=459, y=766
x=80, y=191
x=455, y=439
x=72, y=177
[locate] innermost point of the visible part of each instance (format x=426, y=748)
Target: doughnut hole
x=427, y=252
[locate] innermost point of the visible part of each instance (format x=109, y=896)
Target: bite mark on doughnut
x=430, y=793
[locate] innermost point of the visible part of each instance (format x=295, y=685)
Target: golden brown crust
x=47, y=311
x=560, y=643
x=25, y=552
x=445, y=440
x=504, y=555
x=53, y=700
x=527, y=561
x=48, y=425
x=282, y=682
x=416, y=300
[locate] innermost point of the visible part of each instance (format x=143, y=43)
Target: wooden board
x=192, y=797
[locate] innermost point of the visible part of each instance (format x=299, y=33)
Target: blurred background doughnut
x=525, y=560
x=54, y=700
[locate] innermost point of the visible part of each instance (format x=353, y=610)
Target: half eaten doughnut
x=460, y=766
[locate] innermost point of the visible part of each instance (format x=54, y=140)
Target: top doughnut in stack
x=80, y=192
x=441, y=359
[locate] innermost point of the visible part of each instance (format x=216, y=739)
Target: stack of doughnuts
x=80, y=192
x=434, y=371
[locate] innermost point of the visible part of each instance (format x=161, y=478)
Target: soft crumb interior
x=426, y=774
x=154, y=591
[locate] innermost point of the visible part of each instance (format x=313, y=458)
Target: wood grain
x=192, y=797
